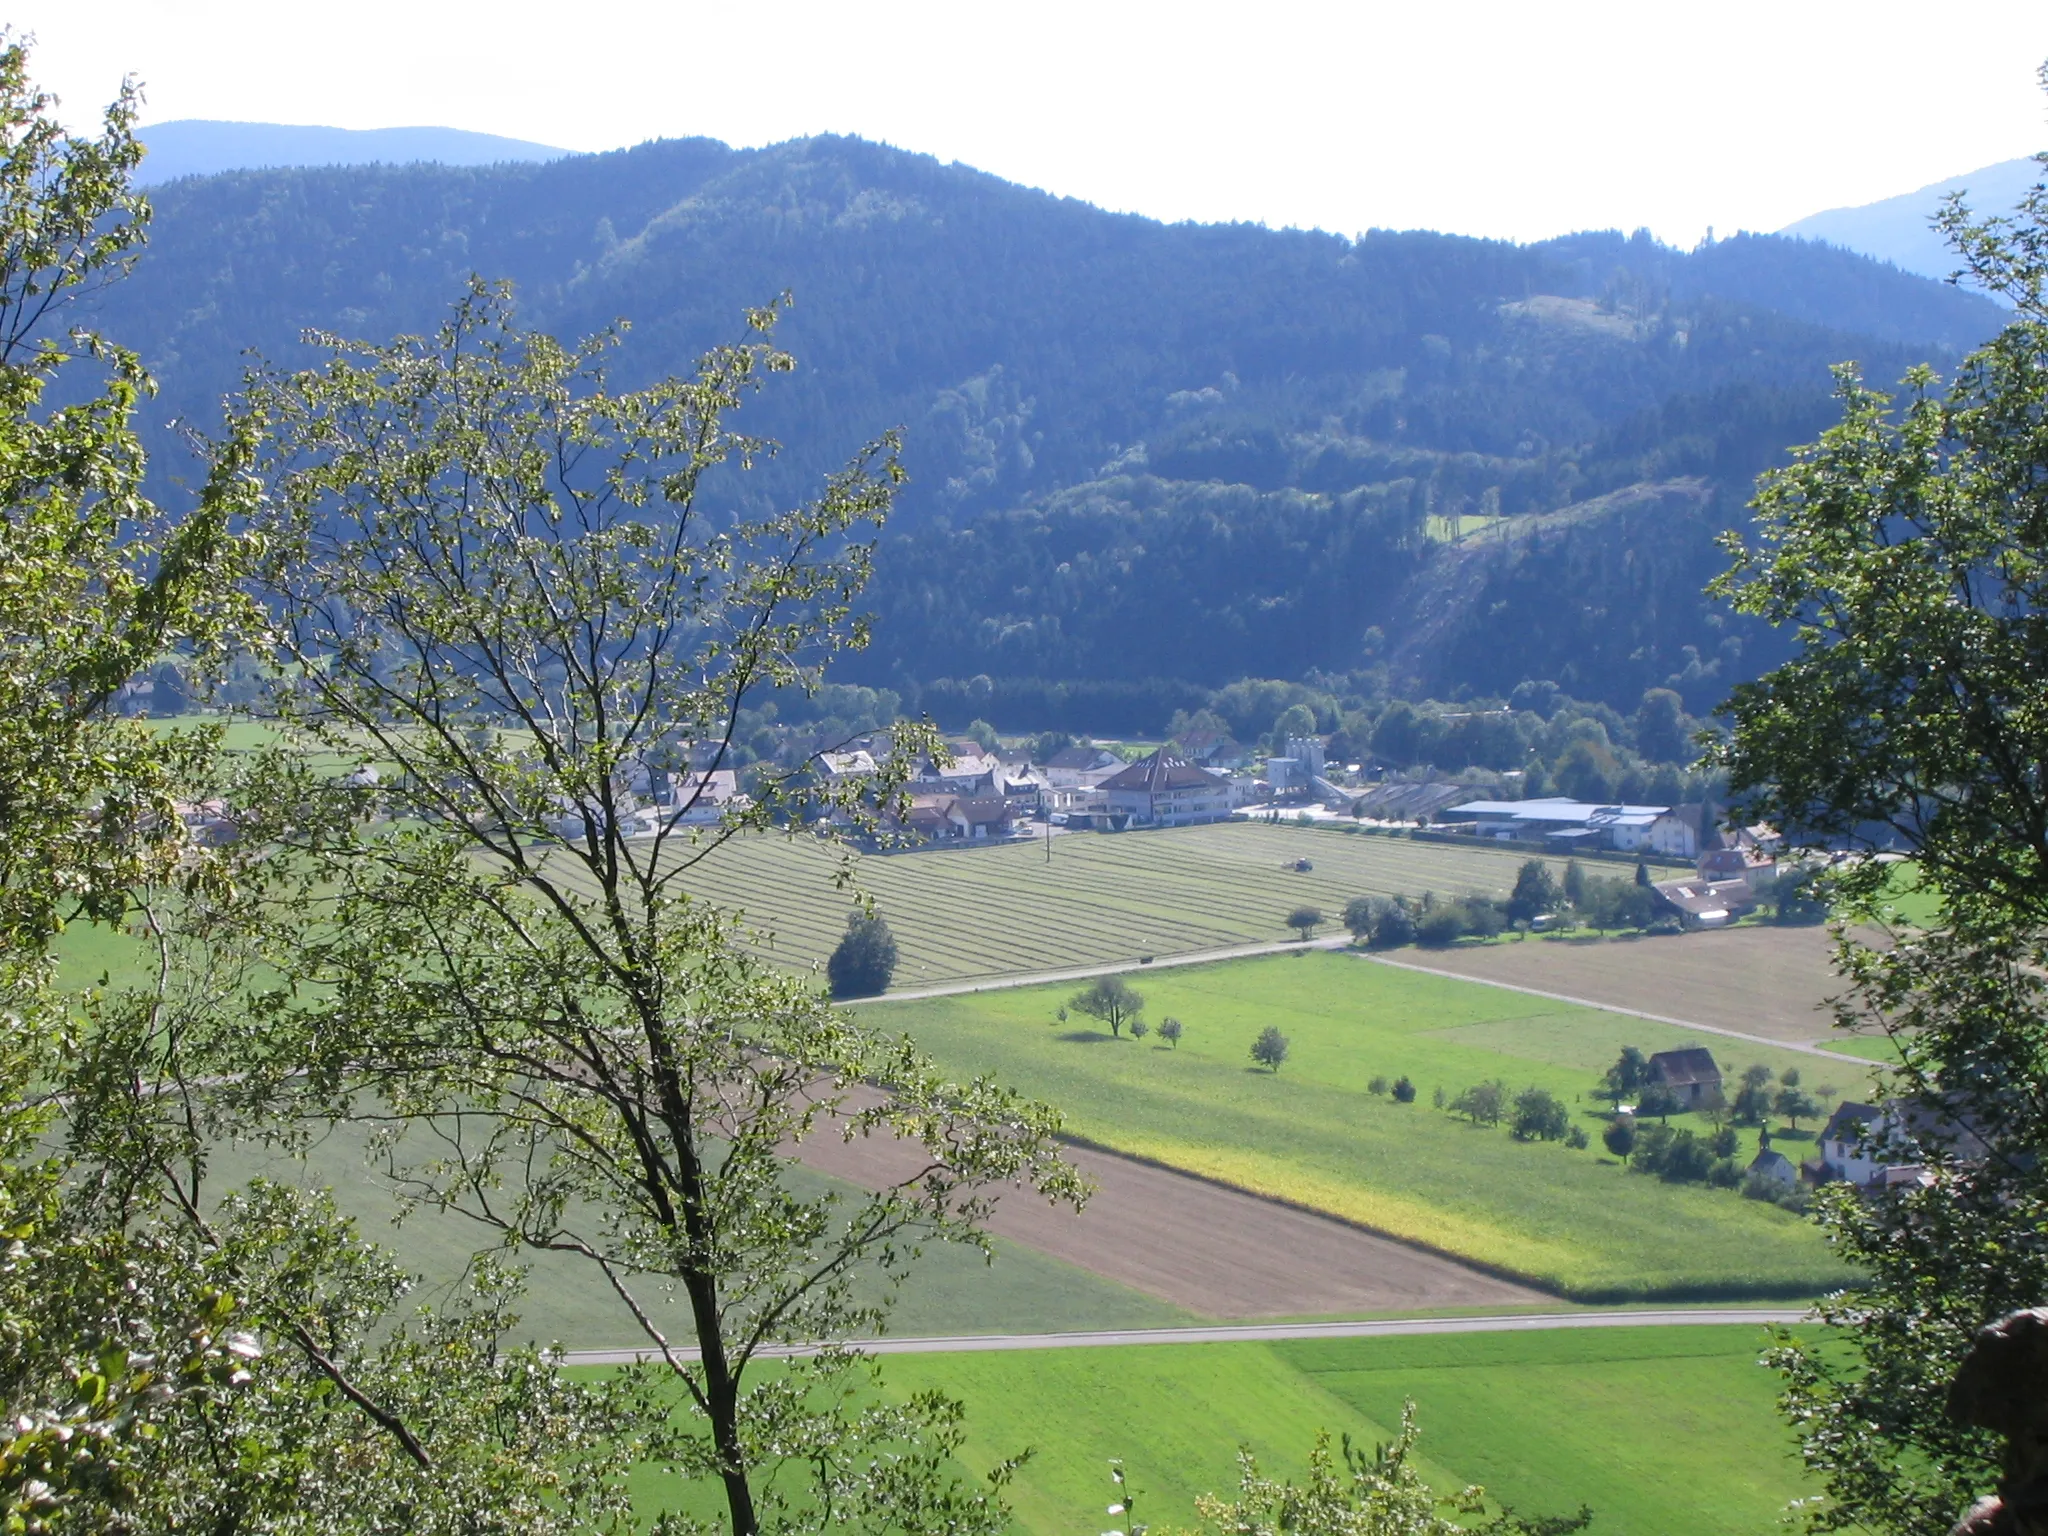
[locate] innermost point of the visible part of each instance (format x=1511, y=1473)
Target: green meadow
x=1572, y=1220
x=1662, y=1431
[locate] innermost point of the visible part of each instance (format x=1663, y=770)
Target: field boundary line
x=998, y=982
x=1587, y=1002
x=1252, y=1333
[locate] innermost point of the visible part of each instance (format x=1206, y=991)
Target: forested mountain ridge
x=1189, y=451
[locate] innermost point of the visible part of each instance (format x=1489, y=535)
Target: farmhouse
x=1567, y=823
x=1856, y=1137
x=1690, y=1074
x=959, y=819
x=1167, y=791
x=1707, y=903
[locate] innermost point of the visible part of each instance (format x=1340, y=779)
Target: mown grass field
x=1572, y=1220
x=961, y=914
x=1663, y=1431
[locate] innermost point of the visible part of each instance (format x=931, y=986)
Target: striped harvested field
x=961, y=914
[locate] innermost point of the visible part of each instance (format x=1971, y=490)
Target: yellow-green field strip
x=1257, y=1333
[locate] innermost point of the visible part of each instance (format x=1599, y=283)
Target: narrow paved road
x=1113, y=968
x=1265, y=1333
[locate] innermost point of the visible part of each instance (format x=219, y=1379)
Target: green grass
x=951, y=1288
x=962, y=914
x=1571, y=1220
x=1664, y=1431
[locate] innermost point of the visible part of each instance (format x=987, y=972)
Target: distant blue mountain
x=194, y=147
x=1896, y=229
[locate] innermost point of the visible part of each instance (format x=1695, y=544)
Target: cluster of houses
x=1860, y=1144
x=977, y=795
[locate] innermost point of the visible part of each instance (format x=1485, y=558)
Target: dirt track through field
x=1214, y=1250
x=1758, y=981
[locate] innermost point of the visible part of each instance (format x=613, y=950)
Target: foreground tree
x=171, y=1357
x=1305, y=920
x=535, y=601
x=1908, y=550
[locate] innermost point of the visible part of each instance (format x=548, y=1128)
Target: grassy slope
x=1664, y=1431
x=1312, y=1133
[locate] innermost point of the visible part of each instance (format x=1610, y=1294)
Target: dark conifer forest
x=1145, y=459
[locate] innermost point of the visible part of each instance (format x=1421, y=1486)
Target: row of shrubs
x=1534, y=1114
x=1679, y=1156
x=1391, y=922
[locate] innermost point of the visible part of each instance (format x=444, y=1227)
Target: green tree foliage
x=1539, y=1116
x=1404, y=1089
x=1110, y=999
x=1535, y=891
x=1574, y=884
x=1440, y=926
x=1620, y=1135
x=1656, y=1099
x=1795, y=1104
x=179, y=1357
x=863, y=961
x=1305, y=920
x=1360, y=914
x=1663, y=733
x=1170, y=1029
x=1270, y=1048
x=1907, y=551
x=1376, y=1495
x=1482, y=1103
x=472, y=529
x=1673, y=1155
x=1630, y=1071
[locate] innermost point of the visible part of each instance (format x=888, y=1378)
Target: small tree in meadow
x=1795, y=1104
x=1270, y=1049
x=1660, y=1101
x=1110, y=999
x=1305, y=920
x=1404, y=1090
x=1539, y=1116
x=1139, y=1028
x=1169, y=1031
x=1753, y=1098
x=1377, y=1086
x=1482, y=1103
x=1620, y=1135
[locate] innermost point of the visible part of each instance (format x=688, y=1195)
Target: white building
x=1564, y=823
x=1165, y=791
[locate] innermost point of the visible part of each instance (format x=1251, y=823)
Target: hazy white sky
x=1520, y=120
